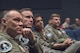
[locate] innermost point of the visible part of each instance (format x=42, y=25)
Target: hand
x=27, y=33
x=68, y=41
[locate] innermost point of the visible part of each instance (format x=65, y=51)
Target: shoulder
x=48, y=28
x=2, y=37
x=5, y=45
x=64, y=23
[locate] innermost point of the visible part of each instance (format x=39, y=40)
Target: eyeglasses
x=28, y=16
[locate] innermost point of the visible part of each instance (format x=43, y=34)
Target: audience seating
x=70, y=33
x=77, y=33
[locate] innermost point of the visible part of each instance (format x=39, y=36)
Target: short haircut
x=25, y=9
x=55, y=15
x=6, y=14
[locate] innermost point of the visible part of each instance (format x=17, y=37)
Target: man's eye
x=37, y=21
x=29, y=16
x=41, y=20
x=16, y=19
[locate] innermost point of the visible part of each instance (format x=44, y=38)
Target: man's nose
x=20, y=24
x=31, y=19
x=41, y=22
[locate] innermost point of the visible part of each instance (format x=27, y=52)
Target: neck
x=3, y=29
x=54, y=26
x=39, y=29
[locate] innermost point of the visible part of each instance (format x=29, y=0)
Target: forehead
x=15, y=14
x=25, y=13
x=56, y=17
x=77, y=19
x=67, y=18
x=38, y=18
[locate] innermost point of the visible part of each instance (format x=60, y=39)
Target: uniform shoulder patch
x=49, y=34
x=5, y=46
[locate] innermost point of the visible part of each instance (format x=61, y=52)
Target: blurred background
x=67, y=8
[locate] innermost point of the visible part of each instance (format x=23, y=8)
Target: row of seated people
x=55, y=37
x=74, y=34
x=16, y=39
x=73, y=26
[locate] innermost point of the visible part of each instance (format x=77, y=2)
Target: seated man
x=76, y=24
x=59, y=36
x=11, y=26
x=27, y=31
x=66, y=24
x=11, y=34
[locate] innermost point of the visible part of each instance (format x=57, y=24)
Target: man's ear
x=3, y=21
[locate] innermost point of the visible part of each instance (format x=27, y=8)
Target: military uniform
x=8, y=45
x=58, y=35
x=44, y=46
